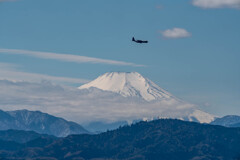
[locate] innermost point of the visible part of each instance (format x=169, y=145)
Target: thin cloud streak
x=67, y=57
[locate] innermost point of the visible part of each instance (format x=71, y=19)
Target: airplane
x=138, y=41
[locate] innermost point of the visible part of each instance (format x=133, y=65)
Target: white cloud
x=175, y=33
x=85, y=105
x=66, y=57
x=217, y=3
x=10, y=72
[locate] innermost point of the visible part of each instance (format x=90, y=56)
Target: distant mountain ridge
x=39, y=122
x=227, y=121
x=164, y=139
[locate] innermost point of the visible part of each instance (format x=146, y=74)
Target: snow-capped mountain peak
x=128, y=84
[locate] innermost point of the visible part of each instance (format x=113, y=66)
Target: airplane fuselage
x=139, y=41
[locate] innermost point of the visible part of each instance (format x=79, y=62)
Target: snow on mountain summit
x=128, y=84
x=160, y=103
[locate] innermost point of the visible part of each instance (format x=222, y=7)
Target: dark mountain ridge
x=21, y=136
x=164, y=139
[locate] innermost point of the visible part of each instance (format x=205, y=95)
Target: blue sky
x=193, y=50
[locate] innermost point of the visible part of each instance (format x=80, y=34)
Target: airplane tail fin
x=133, y=39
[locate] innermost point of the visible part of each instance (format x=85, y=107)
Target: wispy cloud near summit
x=67, y=57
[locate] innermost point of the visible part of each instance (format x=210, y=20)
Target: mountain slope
x=164, y=139
x=99, y=127
x=20, y=136
x=39, y=122
x=128, y=84
x=228, y=121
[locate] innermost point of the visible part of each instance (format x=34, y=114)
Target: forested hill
x=163, y=139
